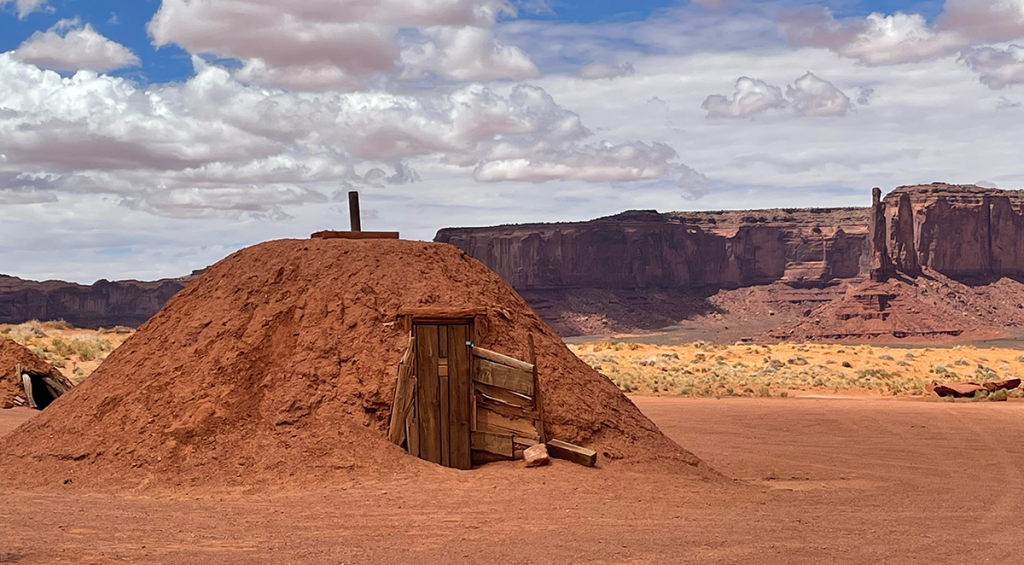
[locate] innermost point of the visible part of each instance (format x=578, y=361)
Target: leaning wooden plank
x=55, y=386
x=537, y=393
x=488, y=421
x=527, y=442
x=26, y=382
x=404, y=392
x=19, y=401
x=355, y=235
x=502, y=359
x=504, y=395
x=502, y=376
x=496, y=443
x=565, y=450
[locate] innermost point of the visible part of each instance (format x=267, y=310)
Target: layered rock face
x=126, y=303
x=648, y=250
x=961, y=231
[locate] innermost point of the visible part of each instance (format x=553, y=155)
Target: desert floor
x=834, y=480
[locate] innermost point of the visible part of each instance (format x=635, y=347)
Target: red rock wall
x=639, y=250
x=957, y=230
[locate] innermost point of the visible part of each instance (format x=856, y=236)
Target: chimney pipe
x=353, y=210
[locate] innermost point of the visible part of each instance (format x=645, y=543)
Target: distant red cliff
x=103, y=304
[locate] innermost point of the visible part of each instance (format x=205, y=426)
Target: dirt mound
x=278, y=365
x=11, y=355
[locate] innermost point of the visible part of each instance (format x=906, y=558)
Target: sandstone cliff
x=105, y=303
x=648, y=250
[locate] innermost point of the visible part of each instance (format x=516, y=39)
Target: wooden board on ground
x=565, y=450
x=494, y=443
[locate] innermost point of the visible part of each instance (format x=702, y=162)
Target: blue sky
x=125, y=22
x=126, y=152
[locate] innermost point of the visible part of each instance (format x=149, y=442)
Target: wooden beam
x=537, y=395
x=495, y=443
x=460, y=315
x=355, y=235
x=354, y=218
x=405, y=391
x=565, y=450
x=502, y=359
x=503, y=376
x=445, y=421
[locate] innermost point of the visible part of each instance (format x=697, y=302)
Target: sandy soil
x=822, y=481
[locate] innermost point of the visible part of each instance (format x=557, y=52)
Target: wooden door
x=443, y=393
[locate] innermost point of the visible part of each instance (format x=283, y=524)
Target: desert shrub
x=999, y=396
x=1020, y=358
x=876, y=374
x=78, y=371
x=886, y=357
x=908, y=356
x=938, y=370
x=796, y=361
x=783, y=394
x=983, y=372
x=683, y=391
x=963, y=362
x=902, y=363
x=764, y=392
x=847, y=364
x=980, y=395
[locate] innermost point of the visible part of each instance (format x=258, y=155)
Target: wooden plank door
x=443, y=393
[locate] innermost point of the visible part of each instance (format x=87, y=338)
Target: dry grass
x=713, y=370
x=76, y=352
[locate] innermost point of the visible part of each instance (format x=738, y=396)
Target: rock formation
x=648, y=250
x=103, y=304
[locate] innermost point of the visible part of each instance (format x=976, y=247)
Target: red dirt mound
x=278, y=366
x=11, y=355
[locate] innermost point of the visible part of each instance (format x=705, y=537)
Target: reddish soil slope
x=278, y=366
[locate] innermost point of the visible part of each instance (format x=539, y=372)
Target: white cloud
x=984, y=20
x=79, y=48
x=596, y=71
x=876, y=40
x=996, y=68
x=465, y=54
x=25, y=7
x=752, y=96
x=324, y=43
x=214, y=145
x=812, y=96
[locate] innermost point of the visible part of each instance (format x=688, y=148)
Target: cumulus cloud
x=809, y=95
x=25, y=7
x=996, y=68
x=874, y=41
x=595, y=71
x=751, y=97
x=215, y=146
x=79, y=48
x=324, y=43
x=812, y=96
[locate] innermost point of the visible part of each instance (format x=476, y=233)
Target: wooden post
x=353, y=211
x=536, y=391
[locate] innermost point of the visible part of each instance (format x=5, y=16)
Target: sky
x=145, y=139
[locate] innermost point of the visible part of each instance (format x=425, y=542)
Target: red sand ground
x=832, y=481
x=278, y=366
x=12, y=354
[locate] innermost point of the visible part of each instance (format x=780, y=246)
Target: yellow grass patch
x=76, y=352
x=713, y=370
